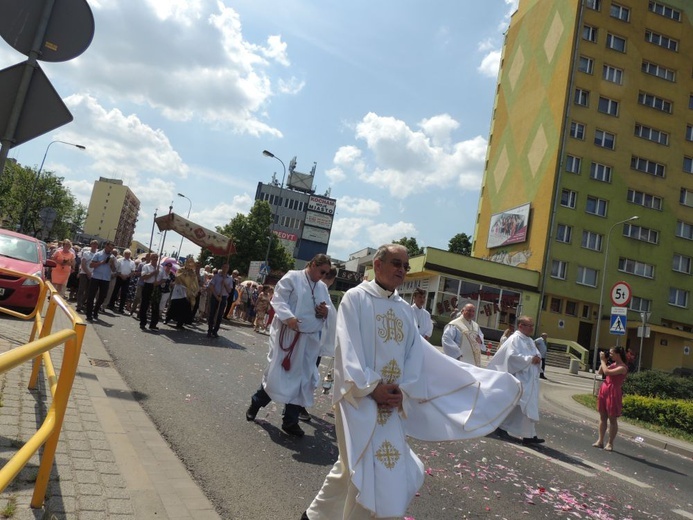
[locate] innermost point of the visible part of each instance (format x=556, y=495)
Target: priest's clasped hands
x=387, y=395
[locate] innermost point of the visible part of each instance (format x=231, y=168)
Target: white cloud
x=405, y=161
x=291, y=86
x=382, y=233
x=223, y=213
x=490, y=64
x=366, y=207
x=350, y=234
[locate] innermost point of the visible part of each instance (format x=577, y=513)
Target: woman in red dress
x=65, y=260
x=610, y=399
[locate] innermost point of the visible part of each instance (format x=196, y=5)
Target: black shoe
x=304, y=516
x=142, y=327
x=209, y=334
x=293, y=429
x=153, y=327
x=96, y=317
x=532, y=440
x=215, y=335
x=502, y=434
x=90, y=319
x=111, y=308
x=303, y=415
x=180, y=327
x=251, y=412
x=542, y=376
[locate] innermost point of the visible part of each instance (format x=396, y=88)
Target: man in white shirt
x=463, y=338
x=85, y=271
x=421, y=315
x=125, y=268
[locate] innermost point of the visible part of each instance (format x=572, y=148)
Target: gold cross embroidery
x=383, y=415
x=391, y=327
x=391, y=372
x=388, y=455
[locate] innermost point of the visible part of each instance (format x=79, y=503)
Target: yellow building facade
x=589, y=171
x=112, y=212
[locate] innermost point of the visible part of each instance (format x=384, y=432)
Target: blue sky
x=392, y=100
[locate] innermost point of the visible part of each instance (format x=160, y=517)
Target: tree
x=251, y=234
x=461, y=244
x=410, y=243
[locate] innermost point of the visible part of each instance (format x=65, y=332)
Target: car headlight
x=31, y=281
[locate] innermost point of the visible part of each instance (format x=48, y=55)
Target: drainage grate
x=104, y=363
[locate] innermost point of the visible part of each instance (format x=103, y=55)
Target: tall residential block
x=593, y=125
x=112, y=212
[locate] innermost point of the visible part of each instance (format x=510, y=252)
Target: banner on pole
x=215, y=242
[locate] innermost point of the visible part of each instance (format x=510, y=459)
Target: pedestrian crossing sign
x=618, y=325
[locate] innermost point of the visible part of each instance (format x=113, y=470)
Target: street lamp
x=267, y=153
x=601, y=295
x=38, y=176
x=181, y=237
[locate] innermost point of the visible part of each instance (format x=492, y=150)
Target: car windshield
x=19, y=248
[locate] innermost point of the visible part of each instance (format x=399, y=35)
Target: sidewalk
x=111, y=462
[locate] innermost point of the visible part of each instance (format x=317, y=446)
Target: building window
x=661, y=40
x=684, y=230
x=593, y=4
x=589, y=33
x=582, y=97
x=665, y=10
x=651, y=134
x=647, y=166
x=559, y=268
x=689, y=132
x=681, y=264
x=636, y=268
x=612, y=74
x=564, y=233
x=688, y=164
x=678, y=297
x=686, y=197
x=586, y=65
x=571, y=308
x=620, y=12
x=556, y=304
x=652, y=101
x=573, y=164
x=641, y=233
x=596, y=206
x=591, y=240
x=600, y=172
x=615, y=42
x=568, y=199
x=586, y=310
x=604, y=139
x=638, y=304
x=608, y=106
x=586, y=276
x=659, y=71
x=577, y=130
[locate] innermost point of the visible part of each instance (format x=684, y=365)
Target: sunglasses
x=398, y=264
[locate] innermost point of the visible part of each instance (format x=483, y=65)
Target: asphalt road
x=197, y=389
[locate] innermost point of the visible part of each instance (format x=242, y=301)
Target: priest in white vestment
x=518, y=355
x=421, y=315
x=390, y=383
x=463, y=339
x=301, y=304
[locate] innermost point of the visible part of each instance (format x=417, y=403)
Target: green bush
x=651, y=383
x=672, y=413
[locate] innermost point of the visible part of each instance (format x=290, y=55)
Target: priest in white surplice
x=462, y=337
x=390, y=383
x=518, y=355
x=421, y=315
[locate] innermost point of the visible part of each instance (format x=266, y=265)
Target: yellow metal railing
x=38, y=349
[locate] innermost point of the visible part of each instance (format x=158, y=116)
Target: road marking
x=683, y=513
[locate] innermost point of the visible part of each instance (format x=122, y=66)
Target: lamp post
x=38, y=176
x=601, y=295
x=181, y=237
x=267, y=153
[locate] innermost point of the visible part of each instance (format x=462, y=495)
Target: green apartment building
x=592, y=126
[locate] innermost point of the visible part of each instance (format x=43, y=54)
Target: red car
x=27, y=255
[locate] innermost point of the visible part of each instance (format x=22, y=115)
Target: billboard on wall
x=321, y=204
x=287, y=240
x=316, y=234
x=509, y=227
x=319, y=219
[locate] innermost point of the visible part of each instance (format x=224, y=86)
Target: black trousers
x=100, y=287
x=147, y=290
x=120, y=290
x=260, y=399
x=216, y=309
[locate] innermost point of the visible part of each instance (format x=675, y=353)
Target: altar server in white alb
x=390, y=383
x=463, y=338
x=421, y=315
x=301, y=304
x=518, y=355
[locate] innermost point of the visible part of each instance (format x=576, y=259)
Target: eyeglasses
x=398, y=264
x=324, y=273
x=527, y=325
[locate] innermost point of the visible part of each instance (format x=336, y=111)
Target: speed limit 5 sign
x=621, y=294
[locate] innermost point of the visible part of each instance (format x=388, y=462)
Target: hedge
x=651, y=383
x=673, y=413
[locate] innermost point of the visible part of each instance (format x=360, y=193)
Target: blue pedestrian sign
x=618, y=325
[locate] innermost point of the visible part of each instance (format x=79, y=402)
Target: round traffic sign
x=621, y=294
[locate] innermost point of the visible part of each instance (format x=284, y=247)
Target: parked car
x=27, y=255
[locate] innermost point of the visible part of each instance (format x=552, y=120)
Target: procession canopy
x=216, y=243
